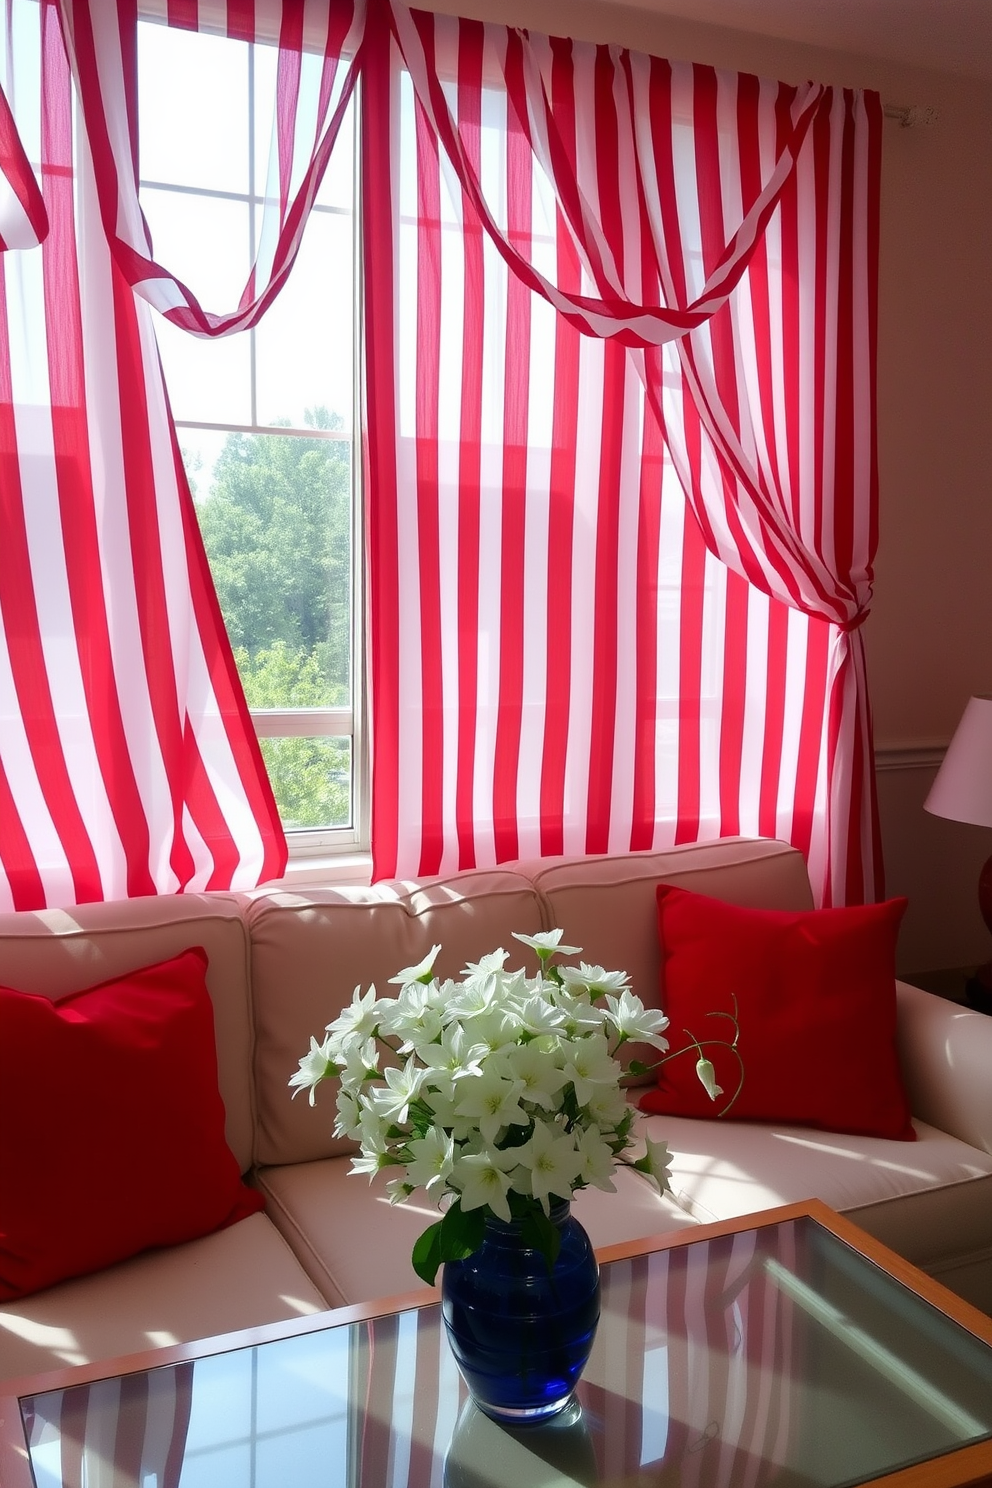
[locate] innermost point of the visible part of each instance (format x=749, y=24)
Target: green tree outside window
x=276, y=524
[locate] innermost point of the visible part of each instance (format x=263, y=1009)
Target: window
x=265, y=417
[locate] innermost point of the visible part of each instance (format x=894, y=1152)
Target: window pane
x=337, y=187
x=299, y=371
x=194, y=102
x=204, y=240
x=311, y=781
x=275, y=512
x=208, y=381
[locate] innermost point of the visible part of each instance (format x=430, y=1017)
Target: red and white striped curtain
x=128, y=762
x=23, y=219
x=317, y=68
x=620, y=332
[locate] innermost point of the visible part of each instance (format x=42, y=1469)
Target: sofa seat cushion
x=240, y=1277
x=356, y=1245
x=929, y=1201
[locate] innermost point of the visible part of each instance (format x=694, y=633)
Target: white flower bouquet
x=501, y=1092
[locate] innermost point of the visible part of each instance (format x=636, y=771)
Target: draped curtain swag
x=620, y=322
x=725, y=230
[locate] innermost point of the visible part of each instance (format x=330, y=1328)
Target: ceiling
x=947, y=35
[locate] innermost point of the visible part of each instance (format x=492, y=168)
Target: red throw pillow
x=111, y=1125
x=816, y=1004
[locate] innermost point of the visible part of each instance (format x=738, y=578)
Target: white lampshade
x=962, y=789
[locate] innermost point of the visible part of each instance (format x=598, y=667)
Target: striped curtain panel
x=317, y=68
x=128, y=761
x=620, y=339
x=23, y=219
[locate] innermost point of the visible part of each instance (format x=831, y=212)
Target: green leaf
x=537, y=1231
x=569, y=1103
x=427, y=1253
x=461, y=1234
x=516, y=1135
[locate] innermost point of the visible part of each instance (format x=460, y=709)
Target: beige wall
x=929, y=635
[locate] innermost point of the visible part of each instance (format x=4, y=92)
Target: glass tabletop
x=777, y=1355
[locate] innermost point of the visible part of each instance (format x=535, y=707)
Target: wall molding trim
x=909, y=756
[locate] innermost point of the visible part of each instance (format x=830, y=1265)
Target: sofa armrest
x=945, y=1052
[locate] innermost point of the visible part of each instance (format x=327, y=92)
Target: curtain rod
x=909, y=116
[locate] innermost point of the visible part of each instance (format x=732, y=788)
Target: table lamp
x=962, y=791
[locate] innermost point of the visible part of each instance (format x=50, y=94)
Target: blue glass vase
x=522, y=1335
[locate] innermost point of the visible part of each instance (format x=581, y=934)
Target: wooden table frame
x=966, y=1467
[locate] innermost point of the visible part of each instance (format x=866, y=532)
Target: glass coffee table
x=784, y=1348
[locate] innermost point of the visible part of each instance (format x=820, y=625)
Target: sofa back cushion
x=60, y=951
x=311, y=950
x=608, y=905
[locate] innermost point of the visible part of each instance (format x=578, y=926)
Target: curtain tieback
x=856, y=621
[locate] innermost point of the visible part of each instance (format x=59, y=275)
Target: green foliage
x=276, y=524
x=277, y=528
x=454, y=1238
x=284, y=676
x=311, y=777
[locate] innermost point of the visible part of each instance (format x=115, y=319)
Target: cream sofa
x=281, y=966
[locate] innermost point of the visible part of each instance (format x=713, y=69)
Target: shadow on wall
x=936, y=864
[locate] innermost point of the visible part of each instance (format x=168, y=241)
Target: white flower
x=432, y=1159
x=588, y=1063
x=374, y=1154
x=496, y=1028
x=540, y=1077
x=469, y=999
x=359, y=1019
x=482, y=970
x=491, y=1100
x=481, y=1178
x=413, y=1017
x=361, y=1063
x=546, y=944
x=540, y=1015
x=597, y=1160
x=402, y=1086
x=398, y=1190
x=314, y=1067
x=606, y=1106
x=497, y=1056
x=592, y=979
x=580, y=1015
x=455, y=1057
x=422, y=972
x=655, y=1163
x=634, y=1021
x=442, y=1103
x=551, y=1161
x=349, y=1122
x=707, y=1078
